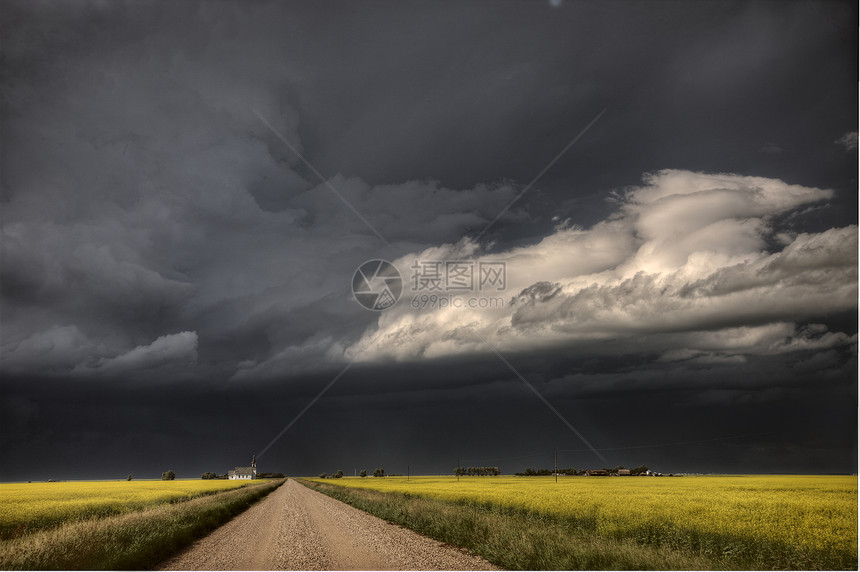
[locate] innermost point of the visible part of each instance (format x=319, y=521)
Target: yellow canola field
x=25, y=507
x=815, y=514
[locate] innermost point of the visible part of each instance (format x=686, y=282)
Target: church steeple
x=254, y=461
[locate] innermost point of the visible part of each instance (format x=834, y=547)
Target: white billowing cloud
x=170, y=351
x=679, y=213
x=684, y=262
x=849, y=141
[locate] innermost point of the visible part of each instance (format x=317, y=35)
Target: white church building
x=244, y=472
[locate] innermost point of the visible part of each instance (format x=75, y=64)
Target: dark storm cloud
x=166, y=256
x=162, y=205
x=699, y=417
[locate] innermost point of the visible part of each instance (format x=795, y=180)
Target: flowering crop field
x=27, y=507
x=810, y=519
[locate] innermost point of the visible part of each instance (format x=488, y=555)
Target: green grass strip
x=133, y=541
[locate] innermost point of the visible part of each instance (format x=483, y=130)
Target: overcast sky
x=189, y=187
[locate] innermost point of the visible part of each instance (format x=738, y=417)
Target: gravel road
x=295, y=528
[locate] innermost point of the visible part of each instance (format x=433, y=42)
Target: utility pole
x=407, y=472
x=556, y=465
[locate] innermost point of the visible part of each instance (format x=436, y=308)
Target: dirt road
x=295, y=528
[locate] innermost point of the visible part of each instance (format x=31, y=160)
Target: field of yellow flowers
x=27, y=507
x=732, y=518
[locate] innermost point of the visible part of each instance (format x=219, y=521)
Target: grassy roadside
x=748, y=522
x=26, y=508
x=514, y=541
x=138, y=540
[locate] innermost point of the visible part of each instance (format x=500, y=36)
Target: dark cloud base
x=774, y=415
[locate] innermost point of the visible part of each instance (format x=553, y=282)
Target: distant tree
x=128, y=478
x=363, y=473
x=168, y=476
x=209, y=476
x=270, y=475
x=322, y=475
x=338, y=475
x=378, y=472
x=460, y=471
x=641, y=469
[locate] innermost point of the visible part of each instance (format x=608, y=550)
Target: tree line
x=476, y=471
x=494, y=471
x=529, y=472
x=363, y=473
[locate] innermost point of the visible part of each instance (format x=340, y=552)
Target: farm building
x=597, y=473
x=623, y=472
x=244, y=472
